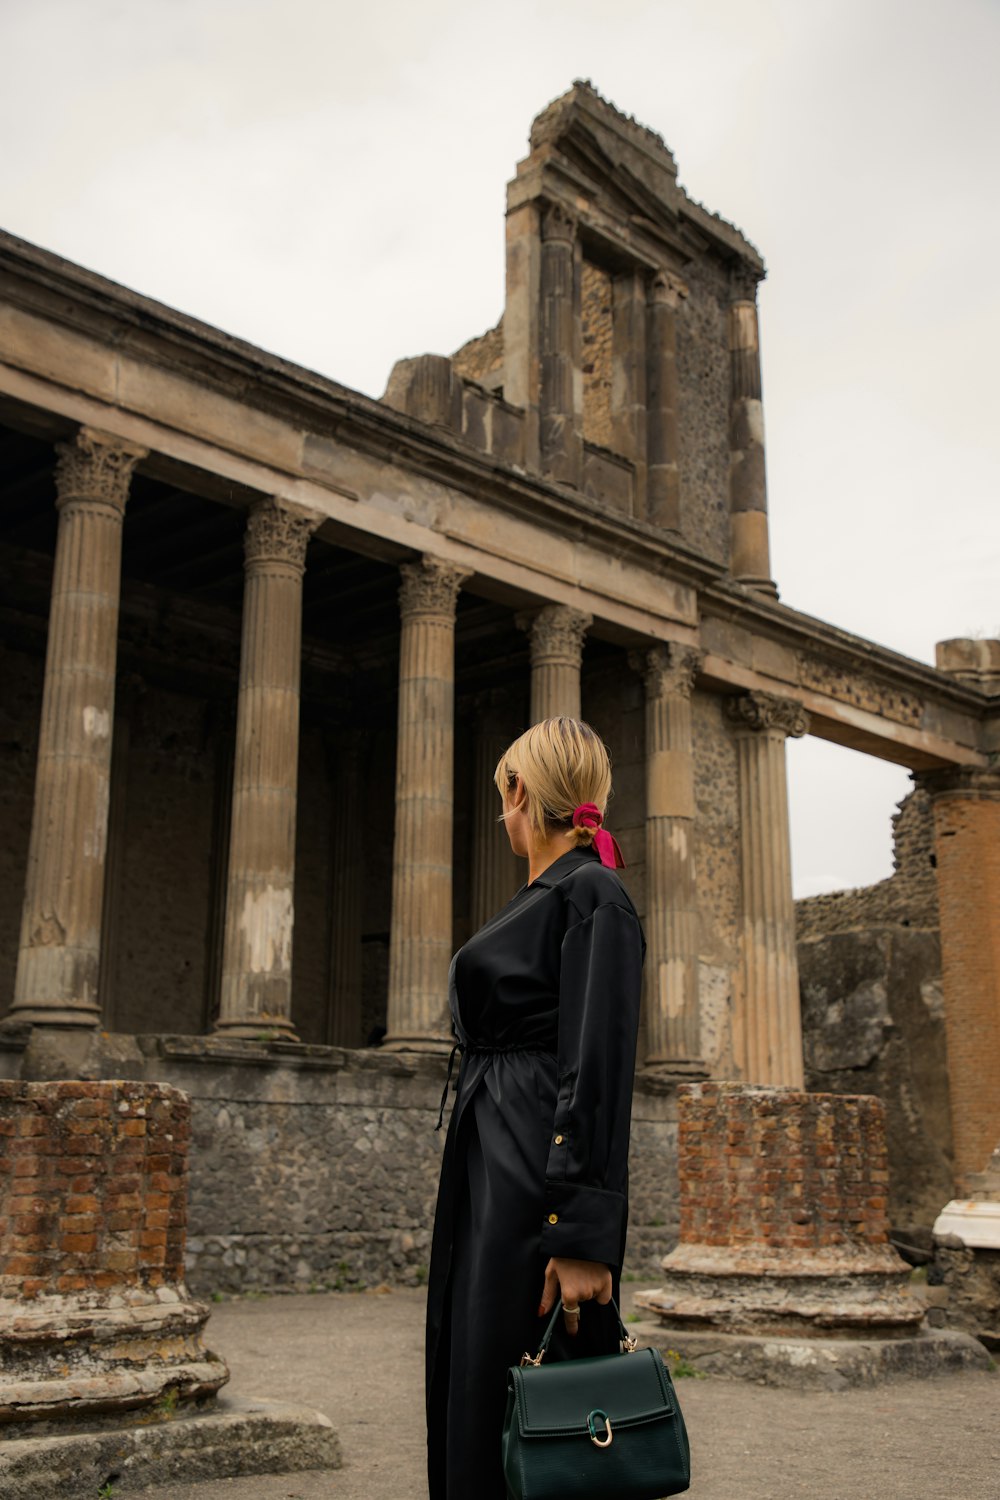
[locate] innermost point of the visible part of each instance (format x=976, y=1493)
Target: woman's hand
x=575, y=1281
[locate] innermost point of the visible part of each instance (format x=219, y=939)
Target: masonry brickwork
x=94, y=1183
x=967, y=843
x=95, y=1315
x=595, y=333
x=783, y=1227
x=795, y=1172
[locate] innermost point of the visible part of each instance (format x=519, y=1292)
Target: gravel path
x=359, y=1359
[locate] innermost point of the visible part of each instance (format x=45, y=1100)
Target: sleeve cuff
x=583, y=1223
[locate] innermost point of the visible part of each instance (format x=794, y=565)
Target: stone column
x=347, y=877
x=257, y=945
x=967, y=846
x=767, y=1025
x=750, y=558
x=673, y=1022
x=59, y=957
x=496, y=870
x=420, y=943
x=557, y=633
x=663, y=504
x=561, y=406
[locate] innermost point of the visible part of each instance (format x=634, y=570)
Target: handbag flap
x=558, y=1398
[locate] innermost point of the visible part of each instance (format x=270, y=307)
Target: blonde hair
x=562, y=763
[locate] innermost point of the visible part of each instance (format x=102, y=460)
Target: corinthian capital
x=558, y=223
x=430, y=587
x=557, y=633
x=667, y=288
x=668, y=670
x=278, y=533
x=96, y=466
x=763, y=711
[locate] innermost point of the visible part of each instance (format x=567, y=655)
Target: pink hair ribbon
x=589, y=815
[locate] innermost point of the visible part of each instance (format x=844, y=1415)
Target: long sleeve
x=586, y=1176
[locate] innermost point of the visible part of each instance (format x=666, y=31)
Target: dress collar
x=571, y=860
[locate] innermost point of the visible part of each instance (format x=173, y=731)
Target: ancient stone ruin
x=104, y=1373
x=784, y=1271
x=263, y=639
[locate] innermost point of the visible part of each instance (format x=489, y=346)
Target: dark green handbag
x=597, y=1428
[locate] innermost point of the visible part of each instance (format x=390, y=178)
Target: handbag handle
x=629, y=1344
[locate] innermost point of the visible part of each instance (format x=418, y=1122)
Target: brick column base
x=783, y=1217
x=94, y=1313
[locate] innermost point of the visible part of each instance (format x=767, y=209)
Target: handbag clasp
x=604, y=1442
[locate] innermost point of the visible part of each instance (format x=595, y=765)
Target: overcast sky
x=327, y=180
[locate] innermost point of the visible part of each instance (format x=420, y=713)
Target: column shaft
x=59, y=955
x=496, y=870
x=967, y=846
x=663, y=505
x=557, y=633
x=750, y=556
x=767, y=1024
x=561, y=405
x=673, y=1022
x=421, y=938
x=257, y=945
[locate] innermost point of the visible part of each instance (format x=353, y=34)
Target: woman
x=532, y=1203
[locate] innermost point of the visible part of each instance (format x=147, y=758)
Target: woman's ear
x=518, y=796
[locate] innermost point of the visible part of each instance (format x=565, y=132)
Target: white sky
x=327, y=180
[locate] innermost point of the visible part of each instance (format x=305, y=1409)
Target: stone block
x=818, y=1363
x=608, y=479
x=228, y=1438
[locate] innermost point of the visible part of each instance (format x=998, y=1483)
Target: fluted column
x=561, y=406
x=420, y=944
x=767, y=1027
x=557, y=633
x=59, y=956
x=496, y=870
x=750, y=561
x=673, y=1021
x=347, y=889
x=257, y=945
x=663, y=491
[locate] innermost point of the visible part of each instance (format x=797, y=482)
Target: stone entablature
x=255, y=424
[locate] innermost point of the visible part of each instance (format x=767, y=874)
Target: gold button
x=559, y=1140
x=553, y=1218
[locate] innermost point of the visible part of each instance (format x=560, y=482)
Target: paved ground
x=359, y=1359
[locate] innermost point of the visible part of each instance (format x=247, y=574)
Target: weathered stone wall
x=155, y=972
x=595, y=300
x=481, y=357
x=908, y=896
x=703, y=380
x=320, y=1169
x=873, y=1013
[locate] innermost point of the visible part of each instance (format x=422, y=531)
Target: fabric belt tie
x=476, y=1051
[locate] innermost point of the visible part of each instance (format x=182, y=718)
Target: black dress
x=545, y=1005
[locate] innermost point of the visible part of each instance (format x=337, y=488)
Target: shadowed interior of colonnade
x=173, y=749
